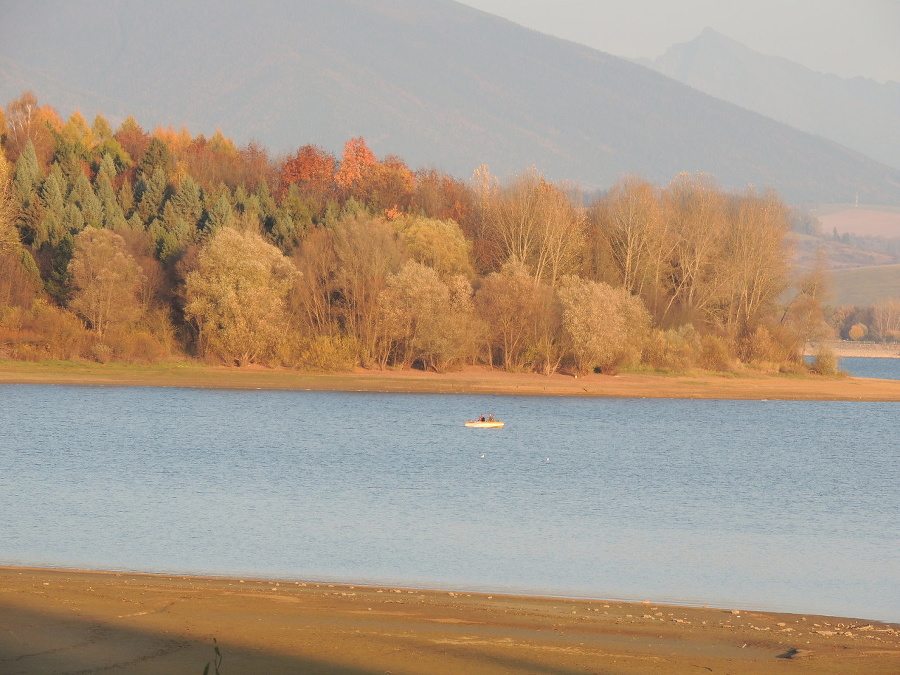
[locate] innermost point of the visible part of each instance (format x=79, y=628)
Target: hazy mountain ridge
x=436, y=82
x=857, y=112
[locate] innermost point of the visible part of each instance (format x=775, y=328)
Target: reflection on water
x=773, y=505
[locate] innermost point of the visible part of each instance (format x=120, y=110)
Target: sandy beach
x=57, y=621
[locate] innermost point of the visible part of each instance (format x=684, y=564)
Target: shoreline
x=748, y=385
x=54, y=620
x=846, y=348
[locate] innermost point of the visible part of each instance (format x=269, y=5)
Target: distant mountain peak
x=859, y=113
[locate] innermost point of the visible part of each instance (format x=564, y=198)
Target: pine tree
x=157, y=158
x=151, y=196
x=126, y=199
x=188, y=201
x=220, y=215
x=87, y=201
x=51, y=228
x=113, y=217
x=58, y=281
x=27, y=176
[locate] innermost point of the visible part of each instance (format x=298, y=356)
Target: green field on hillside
x=865, y=285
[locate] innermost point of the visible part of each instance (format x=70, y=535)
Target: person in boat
x=490, y=418
x=481, y=419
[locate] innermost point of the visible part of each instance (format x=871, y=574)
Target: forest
x=136, y=246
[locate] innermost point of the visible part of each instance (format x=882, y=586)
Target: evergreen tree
x=220, y=215
x=58, y=283
x=187, y=201
x=171, y=232
x=27, y=176
x=126, y=199
x=26, y=184
x=113, y=217
x=73, y=219
x=52, y=227
x=157, y=158
x=151, y=196
x=107, y=165
x=88, y=203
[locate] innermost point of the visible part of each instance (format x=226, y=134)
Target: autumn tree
x=367, y=253
x=27, y=122
x=77, y=134
x=533, y=222
x=19, y=278
x=357, y=164
x=633, y=226
x=105, y=280
x=312, y=170
x=439, y=244
x=443, y=197
x=696, y=209
x=311, y=299
x=605, y=326
x=756, y=258
x=803, y=317
x=506, y=303
x=132, y=138
x=236, y=297
x=426, y=319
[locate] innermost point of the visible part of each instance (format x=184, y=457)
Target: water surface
x=773, y=505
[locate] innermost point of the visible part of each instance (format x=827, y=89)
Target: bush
x=825, y=362
x=759, y=347
x=328, y=352
x=715, y=354
x=858, y=331
x=674, y=350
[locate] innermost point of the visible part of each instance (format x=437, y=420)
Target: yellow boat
x=493, y=424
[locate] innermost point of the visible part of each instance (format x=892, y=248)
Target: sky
x=844, y=37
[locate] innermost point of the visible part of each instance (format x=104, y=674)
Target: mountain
x=434, y=81
x=859, y=113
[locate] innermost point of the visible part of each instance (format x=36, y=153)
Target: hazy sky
x=844, y=37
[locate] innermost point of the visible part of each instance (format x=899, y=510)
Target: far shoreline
x=746, y=385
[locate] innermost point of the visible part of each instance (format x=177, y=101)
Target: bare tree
x=886, y=320
x=532, y=222
x=755, y=260
x=635, y=226
x=697, y=215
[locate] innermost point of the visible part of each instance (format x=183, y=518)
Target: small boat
x=494, y=424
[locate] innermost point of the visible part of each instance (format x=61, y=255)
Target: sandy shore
x=55, y=621
x=842, y=348
x=469, y=381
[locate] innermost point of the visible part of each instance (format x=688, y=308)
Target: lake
x=885, y=369
x=770, y=505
